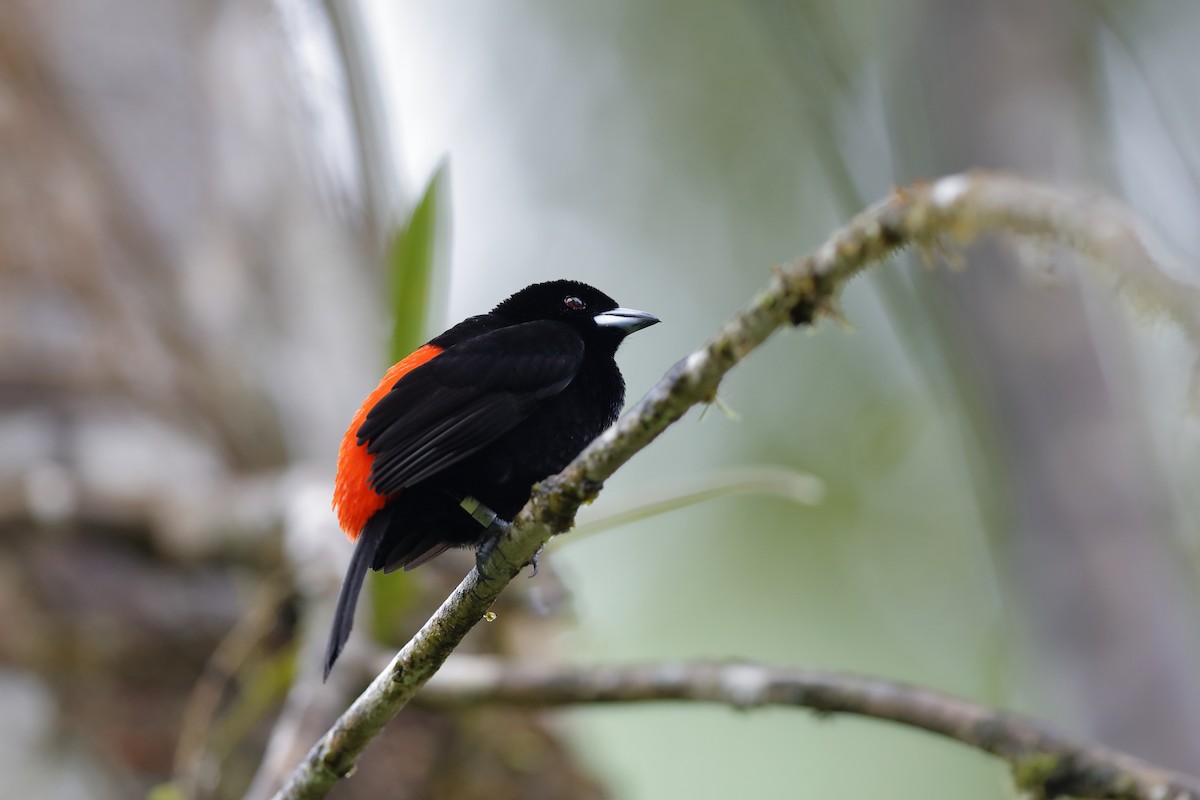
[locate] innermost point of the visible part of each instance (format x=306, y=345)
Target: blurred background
x=220, y=221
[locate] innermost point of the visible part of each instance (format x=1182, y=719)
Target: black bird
x=456, y=434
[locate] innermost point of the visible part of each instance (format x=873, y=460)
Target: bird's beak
x=626, y=320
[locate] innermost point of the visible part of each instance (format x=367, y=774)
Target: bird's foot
x=494, y=531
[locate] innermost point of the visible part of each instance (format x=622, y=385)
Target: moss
x=1034, y=772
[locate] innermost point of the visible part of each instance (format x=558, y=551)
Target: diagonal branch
x=952, y=209
x=1046, y=761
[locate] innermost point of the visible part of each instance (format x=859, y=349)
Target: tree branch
x=956, y=208
x=1045, y=761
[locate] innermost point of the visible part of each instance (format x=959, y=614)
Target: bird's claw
x=534, y=561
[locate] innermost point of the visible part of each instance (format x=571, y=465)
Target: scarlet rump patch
x=353, y=498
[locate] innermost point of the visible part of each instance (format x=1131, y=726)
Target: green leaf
x=412, y=258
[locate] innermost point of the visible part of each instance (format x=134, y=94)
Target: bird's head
x=587, y=309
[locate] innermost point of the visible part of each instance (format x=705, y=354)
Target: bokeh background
x=220, y=220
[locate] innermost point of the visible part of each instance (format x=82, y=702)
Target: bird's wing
x=467, y=396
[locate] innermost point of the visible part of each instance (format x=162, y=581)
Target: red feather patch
x=353, y=498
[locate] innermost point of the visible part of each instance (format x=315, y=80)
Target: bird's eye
x=574, y=304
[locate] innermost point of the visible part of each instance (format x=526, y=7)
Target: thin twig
x=1045, y=760
x=764, y=479
x=954, y=209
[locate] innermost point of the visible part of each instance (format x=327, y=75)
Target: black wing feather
x=468, y=431
x=466, y=397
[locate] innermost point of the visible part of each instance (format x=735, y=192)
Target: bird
x=456, y=434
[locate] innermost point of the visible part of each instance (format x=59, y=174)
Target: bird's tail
x=360, y=562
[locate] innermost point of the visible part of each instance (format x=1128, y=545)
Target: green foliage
x=411, y=259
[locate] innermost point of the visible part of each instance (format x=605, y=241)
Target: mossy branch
x=951, y=210
x=1046, y=762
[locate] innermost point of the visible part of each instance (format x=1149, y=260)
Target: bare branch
x=954, y=209
x=1045, y=760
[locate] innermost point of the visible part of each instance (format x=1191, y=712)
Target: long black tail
x=360, y=562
